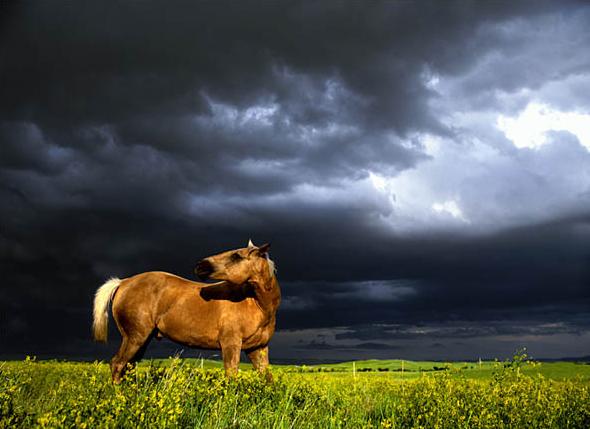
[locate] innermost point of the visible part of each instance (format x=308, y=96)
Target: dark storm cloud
x=441, y=278
x=68, y=68
x=322, y=345
x=139, y=137
x=460, y=329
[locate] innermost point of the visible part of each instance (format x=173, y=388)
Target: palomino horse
x=237, y=313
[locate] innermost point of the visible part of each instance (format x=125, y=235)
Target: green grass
x=411, y=369
x=195, y=393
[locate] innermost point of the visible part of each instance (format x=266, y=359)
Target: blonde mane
x=271, y=266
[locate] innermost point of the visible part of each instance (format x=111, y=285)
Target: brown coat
x=237, y=313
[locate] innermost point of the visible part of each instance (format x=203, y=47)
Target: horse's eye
x=235, y=257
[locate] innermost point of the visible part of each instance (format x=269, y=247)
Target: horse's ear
x=264, y=248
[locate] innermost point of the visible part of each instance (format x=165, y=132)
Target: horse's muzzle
x=204, y=269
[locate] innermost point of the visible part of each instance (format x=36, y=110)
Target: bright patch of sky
x=475, y=184
x=377, y=181
x=262, y=115
x=430, y=79
x=449, y=207
x=529, y=128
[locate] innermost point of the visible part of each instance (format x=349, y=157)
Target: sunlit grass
x=195, y=393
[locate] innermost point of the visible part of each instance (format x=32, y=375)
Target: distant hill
x=585, y=359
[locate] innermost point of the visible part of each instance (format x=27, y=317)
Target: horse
x=236, y=313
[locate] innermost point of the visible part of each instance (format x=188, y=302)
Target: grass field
x=404, y=370
x=366, y=394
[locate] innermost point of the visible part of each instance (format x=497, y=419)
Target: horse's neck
x=268, y=295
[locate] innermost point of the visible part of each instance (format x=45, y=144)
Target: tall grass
x=37, y=394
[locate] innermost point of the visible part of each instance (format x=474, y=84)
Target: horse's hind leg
x=139, y=354
x=131, y=350
x=117, y=364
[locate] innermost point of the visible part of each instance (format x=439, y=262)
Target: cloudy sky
x=422, y=169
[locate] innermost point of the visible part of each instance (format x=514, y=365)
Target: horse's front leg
x=259, y=359
x=230, y=352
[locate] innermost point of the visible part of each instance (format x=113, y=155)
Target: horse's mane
x=271, y=266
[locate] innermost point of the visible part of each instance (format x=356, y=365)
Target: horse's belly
x=191, y=338
x=194, y=340
x=190, y=329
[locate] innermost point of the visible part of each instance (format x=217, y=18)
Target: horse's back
x=139, y=295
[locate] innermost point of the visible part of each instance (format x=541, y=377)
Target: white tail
x=104, y=294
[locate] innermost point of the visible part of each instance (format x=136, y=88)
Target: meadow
x=364, y=394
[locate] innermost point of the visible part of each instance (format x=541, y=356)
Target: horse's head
x=237, y=266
